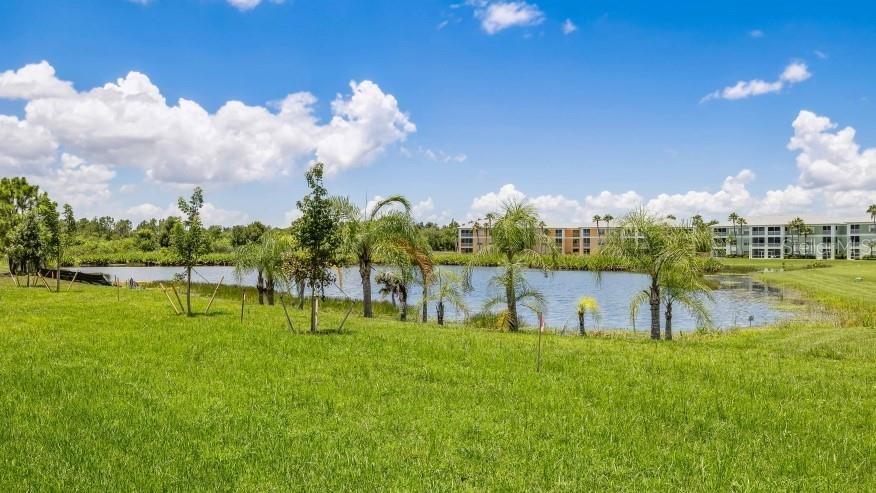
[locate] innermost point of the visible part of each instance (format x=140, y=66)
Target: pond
x=736, y=300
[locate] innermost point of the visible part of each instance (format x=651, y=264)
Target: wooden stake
x=242, y=304
x=15, y=278
x=43, y=279
x=214, y=295
x=75, y=275
x=169, y=300
x=173, y=287
x=118, y=290
x=286, y=312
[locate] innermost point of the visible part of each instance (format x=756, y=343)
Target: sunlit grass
x=103, y=394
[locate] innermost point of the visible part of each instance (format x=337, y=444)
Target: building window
x=774, y=230
x=585, y=232
x=757, y=230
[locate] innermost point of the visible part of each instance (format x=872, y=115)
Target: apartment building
x=823, y=241
x=838, y=240
x=570, y=241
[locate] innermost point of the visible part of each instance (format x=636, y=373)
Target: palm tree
x=267, y=259
x=397, y=283
x=657, y=249
x=519, y=239
x=678, y=289
x=872, y=211
x=733, y=218
x=585, y=305
x=597, y=218
x=806, y=230
x=369, y=233
x=448, y=291
x=796, y=225
x=608, y=218
x=389, y=285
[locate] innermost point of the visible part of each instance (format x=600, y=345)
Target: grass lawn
x=99, y=394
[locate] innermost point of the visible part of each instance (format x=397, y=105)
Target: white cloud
x=25, y=147
x=363, y=126
x=498, y=16
x=77, y=183
x=793, y=73
x=557, y=210
x=820, y=55
x=438, y=156
x=830, y=158
x=36, y=80
x=290, y=216
x=210, y=214
x=755, y=33
x=569, y=27
x=732, y=195
x=129, y=123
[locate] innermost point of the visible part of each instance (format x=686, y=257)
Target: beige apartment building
x=570, y=241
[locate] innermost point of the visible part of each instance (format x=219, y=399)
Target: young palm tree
x=678, y=290
x=519, y=239
x=657, y=249
x=369, y=233
x=585, y=305
x=397, y=283
x=266, y=258
x=448, y=291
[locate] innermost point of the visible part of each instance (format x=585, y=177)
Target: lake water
x=737, y=299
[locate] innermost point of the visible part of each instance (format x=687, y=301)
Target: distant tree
x=189, y=240
x=396, y=283
x=597, y=219
x=608, y=218
x=585, y=305
x=872, y=211
x=677, y=288
x=166, y=229
x=318, y=236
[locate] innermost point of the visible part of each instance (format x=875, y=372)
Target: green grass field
x=100, y=394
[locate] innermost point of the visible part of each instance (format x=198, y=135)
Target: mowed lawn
x=99, y=394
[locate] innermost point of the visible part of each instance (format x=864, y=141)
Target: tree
x=519, y=240
x=189, y=240
x=585, y=305
x=657, y=249
x=872, y=211
x=68, y=235
x=806, y=231
x=53, y=242
x=796, y=225
x=369, y=233
x=17, y=198
x=396, y=283
x=448, y=291
x=608, y=218
x=318, y=236
x=266, y=258
x=24, y=245
x=676, y=288
x=597, y=219
x=733, y=218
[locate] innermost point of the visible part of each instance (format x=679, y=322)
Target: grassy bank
x=100, y=394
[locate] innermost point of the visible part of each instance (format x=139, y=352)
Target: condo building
x=823, y=241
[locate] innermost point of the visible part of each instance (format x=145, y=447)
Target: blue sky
x=580, y=107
